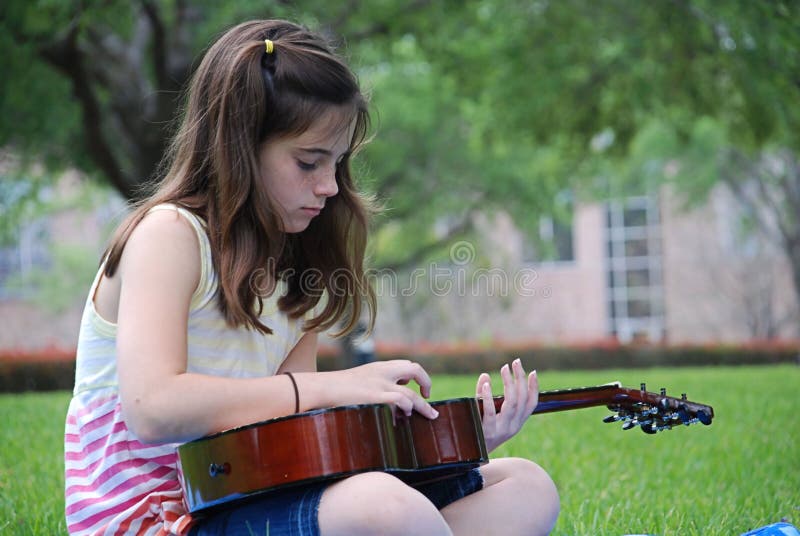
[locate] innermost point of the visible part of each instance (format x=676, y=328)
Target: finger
x=397, y=371
x=397, y=400
x=533, y=392
x=483, y=378
x=509, y=392
x=419, y=404
x=424, y=408
x=488, y=403
x=521, y=384
x=416, y=372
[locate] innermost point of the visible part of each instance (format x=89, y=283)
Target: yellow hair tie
x=269, y=46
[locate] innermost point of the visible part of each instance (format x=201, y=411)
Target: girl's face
x=300, y=172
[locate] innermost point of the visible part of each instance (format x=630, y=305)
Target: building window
x=553, y=240
x=635, y=290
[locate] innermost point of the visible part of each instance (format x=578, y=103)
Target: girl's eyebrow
x=316, y=150
x=320, y=150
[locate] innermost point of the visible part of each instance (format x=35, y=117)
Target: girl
x=205, y=313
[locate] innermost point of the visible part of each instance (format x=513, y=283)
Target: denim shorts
x=293, y=512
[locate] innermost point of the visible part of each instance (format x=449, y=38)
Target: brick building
x=641, y=269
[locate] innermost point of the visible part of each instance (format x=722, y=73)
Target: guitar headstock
x=655, y=412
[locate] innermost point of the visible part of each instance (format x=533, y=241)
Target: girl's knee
x=535, y=479
x=528, y=483
x=372, y=503
x=520, y=469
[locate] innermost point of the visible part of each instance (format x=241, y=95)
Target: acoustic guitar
x=337, y=442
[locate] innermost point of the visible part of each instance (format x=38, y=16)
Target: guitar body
x=328, y=444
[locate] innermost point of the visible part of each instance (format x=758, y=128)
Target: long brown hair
x=238, y=98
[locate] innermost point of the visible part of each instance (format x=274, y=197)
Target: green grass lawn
x=740, y=473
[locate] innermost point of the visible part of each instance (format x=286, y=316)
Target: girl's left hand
x=521, y=396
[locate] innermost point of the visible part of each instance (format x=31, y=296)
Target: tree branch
x=464, y=225
x=159, y=52
x=789, y=181
x=377, y=28
x=735, y=176
x=65, y=56
x=388, y=184
x=421, y=253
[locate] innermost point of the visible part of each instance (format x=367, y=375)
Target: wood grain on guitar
x=337, y=442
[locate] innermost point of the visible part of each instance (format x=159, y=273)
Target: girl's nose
x=326, y=185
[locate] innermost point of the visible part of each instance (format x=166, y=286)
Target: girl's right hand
x=383, y=382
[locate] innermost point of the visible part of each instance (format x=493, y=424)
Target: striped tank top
x=114, y=483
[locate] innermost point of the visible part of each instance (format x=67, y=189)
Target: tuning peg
x=649, y=429
x=652, y=410
x=629, y=424
x=646, y=422
x=663, y=391
x=612, y=418
x=704, y=417
x=643, y=386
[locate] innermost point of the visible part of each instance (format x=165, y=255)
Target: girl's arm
x=159, y=271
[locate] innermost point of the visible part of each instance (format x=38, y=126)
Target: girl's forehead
x=334, y=127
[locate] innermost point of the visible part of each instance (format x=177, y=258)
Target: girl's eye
x=306, y=166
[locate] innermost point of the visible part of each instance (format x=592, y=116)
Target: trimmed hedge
x=604, y=357
x=20, y=376
x=56, y=370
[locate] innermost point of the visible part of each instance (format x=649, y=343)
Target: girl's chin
x=296, y=228
x=296, y=224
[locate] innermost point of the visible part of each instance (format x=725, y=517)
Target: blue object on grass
x=776, y=529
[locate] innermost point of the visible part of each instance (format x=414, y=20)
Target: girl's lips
x=312, y=211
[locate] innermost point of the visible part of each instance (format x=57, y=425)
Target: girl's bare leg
x=518, y=497
x=378, y=503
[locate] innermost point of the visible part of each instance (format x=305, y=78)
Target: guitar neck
x=613, y=395
x=567, y=399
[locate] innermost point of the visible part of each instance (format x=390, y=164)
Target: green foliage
x=737, y=474
x=535, y=85
x=480, y=105
x=699, y=162
x=660, y=154
x=39, y=114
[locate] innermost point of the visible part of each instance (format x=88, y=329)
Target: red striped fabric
x=115, y=484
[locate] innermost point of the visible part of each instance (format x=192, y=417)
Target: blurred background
x=566, y=174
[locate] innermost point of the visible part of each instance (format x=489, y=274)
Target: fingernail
x=517, y=361
x=435, y=413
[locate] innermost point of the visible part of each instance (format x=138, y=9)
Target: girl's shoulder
x=165, y=240
x=167, y=225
